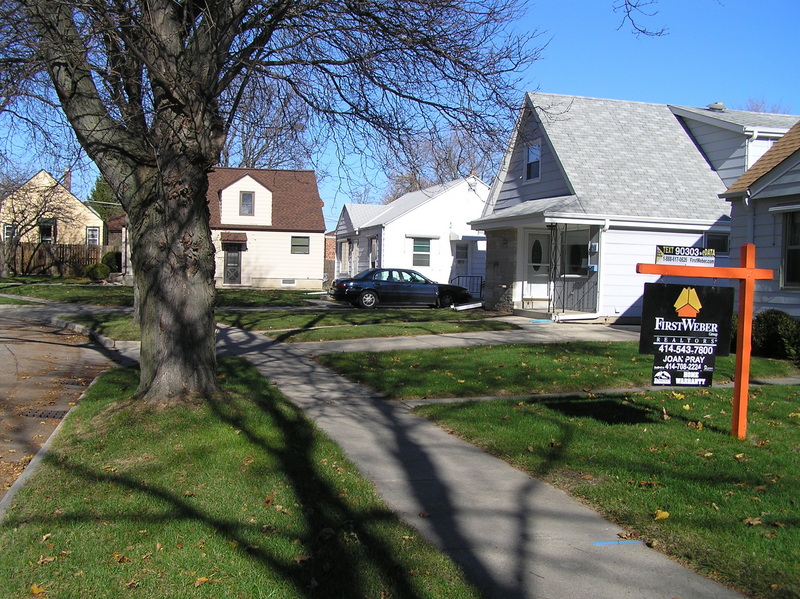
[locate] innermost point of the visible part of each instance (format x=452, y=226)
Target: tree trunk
x=173, y=266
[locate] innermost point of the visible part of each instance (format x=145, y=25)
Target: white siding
x=621, y=250
x=442, y=219
x=725, y=150
x=268, y=260
x=262, y=204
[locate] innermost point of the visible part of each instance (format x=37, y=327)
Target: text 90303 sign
x=685, y=328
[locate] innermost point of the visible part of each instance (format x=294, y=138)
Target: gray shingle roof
x=371, y=215
x=744, y=119
x=629, y=159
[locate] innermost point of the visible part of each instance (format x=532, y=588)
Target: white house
x=589, y=187
x=268, y=228
x=765, y=204
x=425, y=230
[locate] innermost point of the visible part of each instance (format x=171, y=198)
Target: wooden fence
x=58, y=259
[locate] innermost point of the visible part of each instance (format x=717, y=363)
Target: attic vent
x=717, y=106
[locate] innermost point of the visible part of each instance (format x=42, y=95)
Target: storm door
x=233, y=264
x=537, y=269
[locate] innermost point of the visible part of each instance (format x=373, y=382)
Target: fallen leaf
x=752, y=521
x=739, y=457
x=38, y=590
x=300, y=559
x=120, y=558
x=201, y=580
x=660, y=515
x=132, y=584
x=45, y=560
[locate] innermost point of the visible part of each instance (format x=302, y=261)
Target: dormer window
x=533, y=159
x=246, y=203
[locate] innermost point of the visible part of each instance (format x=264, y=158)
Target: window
x=246, y=203
x=92, y=235
x=717, y=242
x=8, y=232
x=300, y=245
x=373, y=252
x=47, y=230
x=791, y=250
x=533, y=161
x=422, y=252
x=575, y=255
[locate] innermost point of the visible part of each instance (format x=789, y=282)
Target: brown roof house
x=268, y=228
x=765, y=211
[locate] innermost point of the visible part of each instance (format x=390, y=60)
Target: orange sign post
x=747, y=275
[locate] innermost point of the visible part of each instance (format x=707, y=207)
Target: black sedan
x=395, y=286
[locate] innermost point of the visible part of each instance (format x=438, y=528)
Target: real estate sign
x=686, y=256
x=685, y=328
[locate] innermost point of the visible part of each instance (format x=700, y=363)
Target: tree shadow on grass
x=341, y=554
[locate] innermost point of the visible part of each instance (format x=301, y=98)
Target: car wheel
x=446, y=300
x=368, y=299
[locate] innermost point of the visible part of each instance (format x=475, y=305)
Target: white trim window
x=247, y=203
x=301, y=245
x=790, y=267
x=9, y=231
x=92, y=235
x=421, y=252
x=533, y=161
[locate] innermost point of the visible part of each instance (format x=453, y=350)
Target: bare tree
x=760, y=105
x=269, y=129
x=634, y=12
x=438, y=158
x=151, y=89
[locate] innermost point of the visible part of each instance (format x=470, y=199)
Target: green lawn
x=319, y=325
x=78, y=291
x=517, y=369
x=238, y=497
x=666, y=468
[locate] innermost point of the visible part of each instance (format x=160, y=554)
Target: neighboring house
x=765, y=211
x=589, y=187
x=267, y=227
x=42, y=210
x=424, y=230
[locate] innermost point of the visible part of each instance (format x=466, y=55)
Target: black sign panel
x=685, y=328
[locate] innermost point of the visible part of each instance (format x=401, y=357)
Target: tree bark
x=173, y=265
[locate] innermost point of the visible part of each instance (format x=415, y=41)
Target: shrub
x=113, y=260
x=98, y=272
x=776, y=335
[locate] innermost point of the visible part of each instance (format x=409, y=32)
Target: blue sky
x=714, y=50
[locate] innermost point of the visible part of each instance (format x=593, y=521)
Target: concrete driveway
x=43, y=371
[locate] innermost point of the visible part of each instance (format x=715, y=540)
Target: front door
x=462, y=259
x=233, y=264
x=537, y=269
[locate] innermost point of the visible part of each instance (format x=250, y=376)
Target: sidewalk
x=515, y=537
